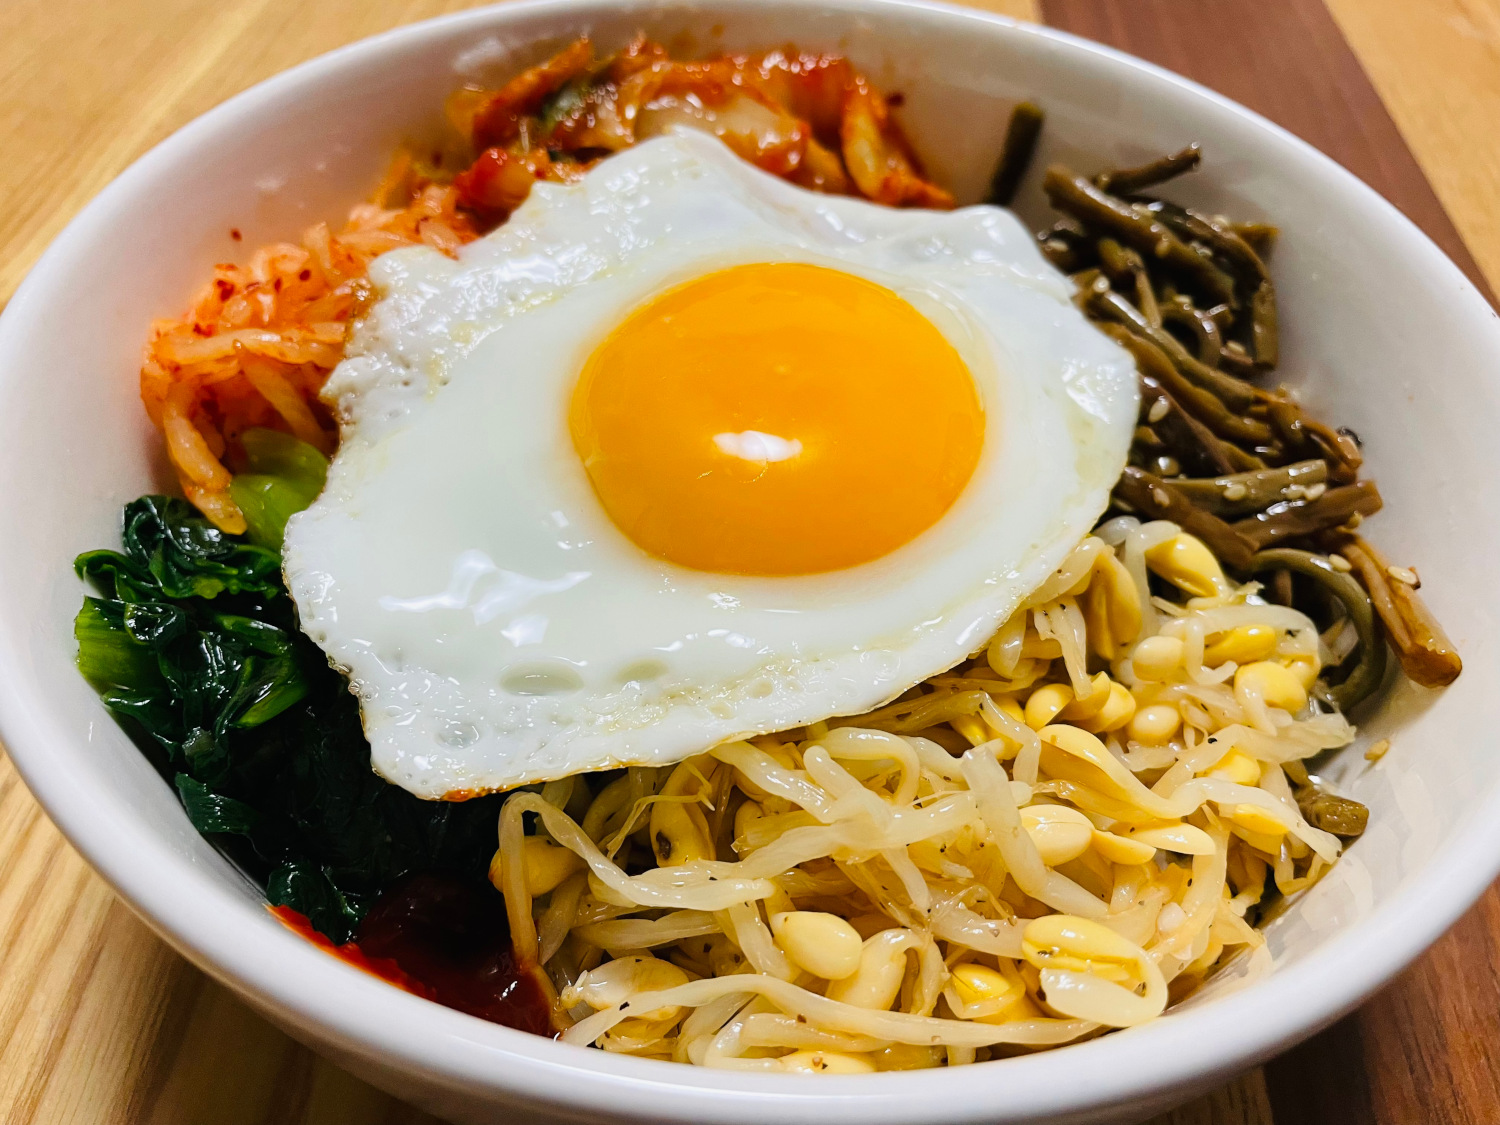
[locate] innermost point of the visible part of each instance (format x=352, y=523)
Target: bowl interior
x=1380, y=333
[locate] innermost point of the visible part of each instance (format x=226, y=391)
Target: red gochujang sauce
x=445, y=939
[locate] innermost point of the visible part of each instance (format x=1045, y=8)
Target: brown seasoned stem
x=1126, y=181
x=1218, y=236
x=1189, y=440
x=1076, y=196
x=1067, y=245
x=1284, y=521
x=1062, y=254
x=1021, y=135
x=1151, y=496
x=1242, y=493
x=1279, y=590
x=1203, y=404
x=1124, y=264
x=1260, y=236
x=1224, y=240
x=1304, y=435
x=1427, y=655
x=1342, y=816
x=1234, y=393
x=1234, y=359
x=1179, y=309
x=1265, y=330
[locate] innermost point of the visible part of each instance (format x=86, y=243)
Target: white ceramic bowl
x=1381, y=331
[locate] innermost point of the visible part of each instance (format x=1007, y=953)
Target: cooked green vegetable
x=1128, y=181
x=192, y=642
x=1179, y=309
x=1426, y=653
x=1176, y=432
x=1369, y=670
x=1124, y=264
x=1239, y=493
x=1076, y=196
x=1199, y=401
x=1332, y=813
x=1015, y=153
x=179, y=557
x=1304, y=436
x=1302, y=518
x=1235, y=393
x=1224, y=241
x=285, y=475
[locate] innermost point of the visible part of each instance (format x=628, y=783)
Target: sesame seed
x=1313, y=491
x=1377, y=750
x=1236, y=491
x=1159, y=410
x=1404, y=574
x=1340, y=564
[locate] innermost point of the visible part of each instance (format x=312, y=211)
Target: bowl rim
x=361, y=1018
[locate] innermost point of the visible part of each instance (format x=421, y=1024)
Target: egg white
x=500, y=630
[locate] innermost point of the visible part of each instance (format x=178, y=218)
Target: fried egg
x=683, y=453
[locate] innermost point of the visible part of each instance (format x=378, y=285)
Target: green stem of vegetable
x=1334, y=508
x=1076, y=196
x=1225, y=241
x=1016, y=151
x=1305, y=435
x=1179, y=309
x=1127, y=181
x=1189, y=440
x=1240, y=493
x=1427, y=655
x=1234, y=393
x=1124, y=264
x=1342, y=816
x=1202, y=403
x=1368, y=672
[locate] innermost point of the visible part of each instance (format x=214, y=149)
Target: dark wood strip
x=44, y=1062
x=1422, y=1051
x=1324, y=1081
x=1285, y=59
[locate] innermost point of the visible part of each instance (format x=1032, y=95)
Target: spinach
x=192, y=642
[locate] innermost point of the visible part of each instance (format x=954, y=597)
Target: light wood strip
x=1436, y=66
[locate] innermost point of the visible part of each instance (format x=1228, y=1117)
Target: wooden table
x=101, y=1023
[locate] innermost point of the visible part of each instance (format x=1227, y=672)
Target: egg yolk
x=776, y=419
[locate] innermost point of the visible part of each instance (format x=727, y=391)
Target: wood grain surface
x=100, y=1023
